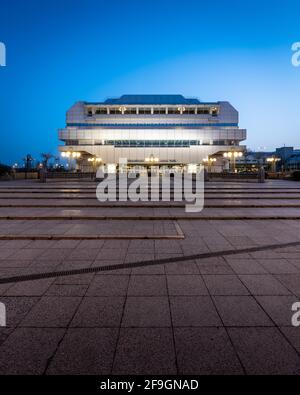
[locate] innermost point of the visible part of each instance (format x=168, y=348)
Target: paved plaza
x=145, y=288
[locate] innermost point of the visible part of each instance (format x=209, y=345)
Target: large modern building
x=164, y=130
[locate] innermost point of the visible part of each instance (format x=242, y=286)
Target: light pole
x=209, y=162
x=233, y=156
x=272, y=161
x=94, y=161
x=71, y=155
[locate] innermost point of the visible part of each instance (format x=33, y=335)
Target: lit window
x=130, y=111
x=214, y=111
x=189, y=110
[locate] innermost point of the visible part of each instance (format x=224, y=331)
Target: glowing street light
x=209, y=162
x=272, y=161
x=233, y=155
x=152, y=159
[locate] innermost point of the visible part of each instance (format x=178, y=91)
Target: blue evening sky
x=62, y=51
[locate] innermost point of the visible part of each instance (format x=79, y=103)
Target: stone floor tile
x=148, y=351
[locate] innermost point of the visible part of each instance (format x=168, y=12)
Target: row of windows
x=149, y=111
x=153, y=143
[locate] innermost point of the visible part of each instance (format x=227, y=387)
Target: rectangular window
x=101, y=110
x=158, y=111
x=130, y=111
x=202, y=110
x=172, y=110
x=115, y=111
x=214, y=111
x=145, y=110
x=189, y=110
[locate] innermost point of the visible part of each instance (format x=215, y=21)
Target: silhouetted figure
x=261, y=175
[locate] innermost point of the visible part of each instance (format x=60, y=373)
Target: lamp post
x=209, y=162
x=71, y=155
x=233, y=156
x=272, y=161
x=94, y=161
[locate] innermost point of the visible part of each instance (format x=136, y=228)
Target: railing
x=234, y=176
x=70, y=175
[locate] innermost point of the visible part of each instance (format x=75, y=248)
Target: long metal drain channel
x=66, y=273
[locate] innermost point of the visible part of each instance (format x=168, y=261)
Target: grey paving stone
x=186, y=285
x=108, y=286
x=116, y=245
x=192, y=311
x=39, y=244
x=17, y=244
x=30, y=288
x=91, y=244
x=79, y=254
x=25, y=254
x=99, y=312
x=65, y=244
x=246, y=266
x=278, y=266
x=27, y=350
x=108, y=254
x=147, y=285
x=290, y=281
x=51, y=312
x=136, y=246
x=77, y=279
x=279, y=308
x=88, y=351
x=241, y=311
x=4, y=333
x=5, y=253
x=145, y=351
x=263, y=285
x=15, y=263
x=184, y=267
x=4, y=288
x=167, y=246
x=205, y=351
x=67, y=290
x=148, y=270
x=225, y=285
x=295, y=262
x=215, y=265
x=55, y=254
x=139, y=257
x=292, y=335
x=146, y=312
x=17, y=308
x=265, y=351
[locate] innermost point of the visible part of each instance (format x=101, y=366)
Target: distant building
x=161, y=130
x=290, y=158
x=282, y=159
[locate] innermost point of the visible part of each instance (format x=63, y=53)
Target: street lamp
x=94, y=160
x=209, y=162
x=272, y=161
x=70, y=155
x=152, y=159
x=233, y=156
